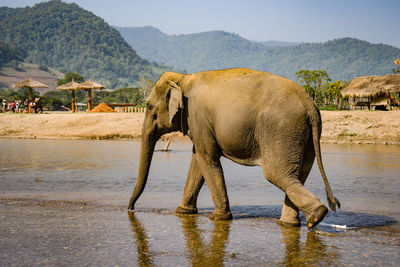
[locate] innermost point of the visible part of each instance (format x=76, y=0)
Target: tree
x=70, y=76
x=53, y=100
x=397, y=61
x=121, y=95
x=145, y=87
x=313, y=81
x=333, y=93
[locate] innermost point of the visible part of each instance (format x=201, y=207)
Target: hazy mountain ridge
x=342, y=58
x=275, y=43
x=69, y=38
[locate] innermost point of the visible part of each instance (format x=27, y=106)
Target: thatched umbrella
x=73, y=86
x=30, y=84
x=372, y=86
x=88, y=86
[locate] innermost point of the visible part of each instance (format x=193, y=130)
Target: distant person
x=26, y=105
x=33, y=106
x=38, y=105
x=4, y=106
x=12, y=106
x=18, y=106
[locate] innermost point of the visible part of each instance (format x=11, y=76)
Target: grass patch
x=345, y=133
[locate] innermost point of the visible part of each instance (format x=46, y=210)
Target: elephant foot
x=291, y=224
x=186, y=210
x=317, y=216
x=220, y=216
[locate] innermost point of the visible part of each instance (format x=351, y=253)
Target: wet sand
x=349, y=127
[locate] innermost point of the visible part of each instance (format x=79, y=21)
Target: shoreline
x=341, y=127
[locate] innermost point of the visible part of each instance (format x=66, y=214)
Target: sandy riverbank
x=375, y=127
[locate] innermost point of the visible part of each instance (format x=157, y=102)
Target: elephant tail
x=316, y=124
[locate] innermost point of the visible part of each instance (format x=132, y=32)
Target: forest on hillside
x=69, y=38
x=10, y=55
x=342, y=58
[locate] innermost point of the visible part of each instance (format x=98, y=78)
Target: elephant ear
x=175, y=99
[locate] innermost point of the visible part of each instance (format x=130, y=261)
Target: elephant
x=253, y=118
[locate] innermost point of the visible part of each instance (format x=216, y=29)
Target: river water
x=63, y=202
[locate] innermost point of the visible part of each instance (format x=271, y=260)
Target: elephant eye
x=150, y=107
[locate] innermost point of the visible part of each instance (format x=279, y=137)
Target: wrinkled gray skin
x=250, y=117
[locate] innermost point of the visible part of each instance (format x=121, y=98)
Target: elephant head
x=164, y=114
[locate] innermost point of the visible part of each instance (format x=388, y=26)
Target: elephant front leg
x=194, y=182
x=212, y=172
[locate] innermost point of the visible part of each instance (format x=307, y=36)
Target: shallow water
x=98, y=178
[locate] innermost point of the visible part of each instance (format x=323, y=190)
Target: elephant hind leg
x=288, y=179
x=290, y=213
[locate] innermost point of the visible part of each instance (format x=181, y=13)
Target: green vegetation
x=312, y=81
x=20, y=94
x=122, y=95
x=69, y=38
x=57, y=100
x=397, y=69
x=345, y=133
x=10, y=55
x=145, y=88
x=317, y=83
x=69, y=77
x=342, y=58
x=333, y=94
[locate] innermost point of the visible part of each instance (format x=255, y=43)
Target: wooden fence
x=130, y=108
x=126, y=108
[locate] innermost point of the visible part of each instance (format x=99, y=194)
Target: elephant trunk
x=146, y=153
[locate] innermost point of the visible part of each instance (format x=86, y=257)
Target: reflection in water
x=143, y=250
x=200, y=252
x=313, y=253
x=205, y=251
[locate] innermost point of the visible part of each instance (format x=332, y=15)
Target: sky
x=375, y=21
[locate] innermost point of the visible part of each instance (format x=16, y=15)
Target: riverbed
x=63, y=202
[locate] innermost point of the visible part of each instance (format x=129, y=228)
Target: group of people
x=13, y=106
x=16, y=106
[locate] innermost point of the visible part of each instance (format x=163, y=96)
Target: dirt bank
x=375, y=127
x=361, y=127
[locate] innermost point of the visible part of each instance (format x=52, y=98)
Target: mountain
x=10, y=54
x=279, y=43
x=10, y=75
x=14, y=70
x=342, y=58
x=69, y=38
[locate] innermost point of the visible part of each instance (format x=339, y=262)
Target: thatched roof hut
x=88, y=86
x=91, y=85
x=73, y=86
x=69, y=86
x=30, y=83
x=372, y=86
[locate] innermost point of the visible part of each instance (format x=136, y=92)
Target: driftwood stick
x=168, y=143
